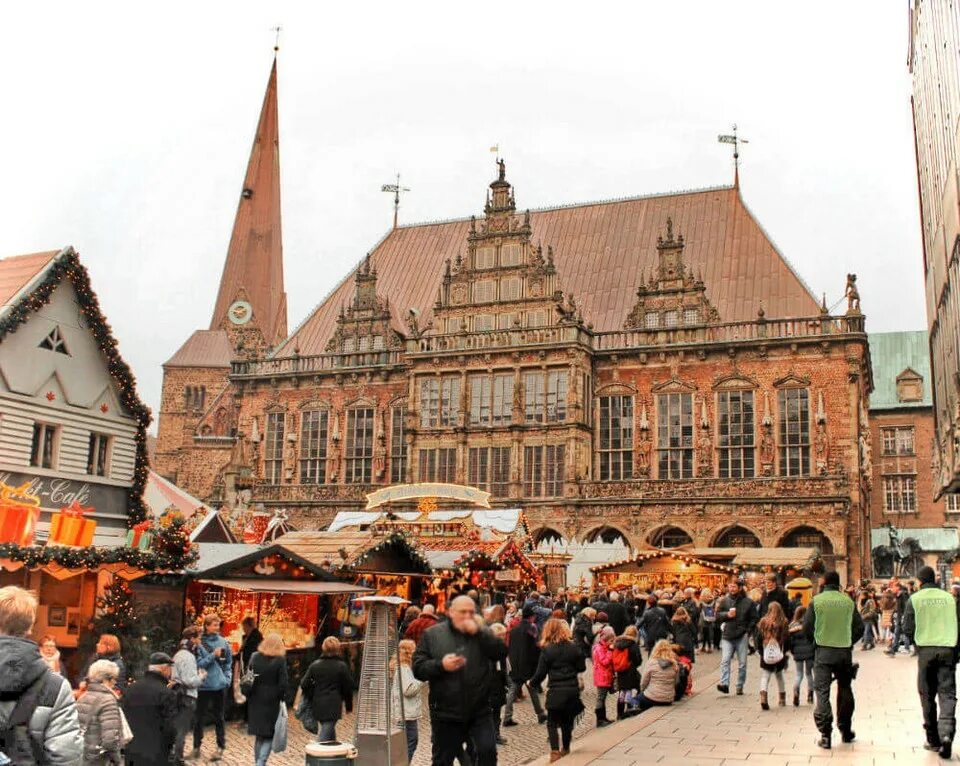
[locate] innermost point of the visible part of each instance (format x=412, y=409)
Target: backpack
x=772, y=652
x=709, y=613
x=15, y=740
x=621, y=659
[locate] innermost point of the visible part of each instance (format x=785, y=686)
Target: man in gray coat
x=38, y=715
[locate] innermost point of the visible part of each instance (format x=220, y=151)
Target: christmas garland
x=67, y=265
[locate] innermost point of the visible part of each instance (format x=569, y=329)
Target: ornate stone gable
x=504, y=281
x=672, y=297
x=364, y=325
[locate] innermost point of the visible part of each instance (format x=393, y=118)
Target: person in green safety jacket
x=833, y=624
x=930, y=622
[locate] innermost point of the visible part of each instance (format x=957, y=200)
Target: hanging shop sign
x=428, y=490
x=507, y=575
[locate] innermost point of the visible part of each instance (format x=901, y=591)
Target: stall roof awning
x=263, y=585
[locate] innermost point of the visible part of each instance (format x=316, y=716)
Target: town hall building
x=649, y=368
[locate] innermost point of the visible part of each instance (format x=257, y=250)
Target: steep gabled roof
x=254, y=264
x=205, y=348
x=34, y=293
x=602, y=249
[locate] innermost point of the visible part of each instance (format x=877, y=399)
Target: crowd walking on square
x=474, y=664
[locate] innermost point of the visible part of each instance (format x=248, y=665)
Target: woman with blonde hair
x=561, y=662
x=99, y=712
x=108, y=648
x=50, y=654
x=412, y=695
x=773, y=634
x=328, y=684
x=658, y=681
x=269, y=665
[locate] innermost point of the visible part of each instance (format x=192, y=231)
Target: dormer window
x=671, y=318
x=485, y=258
x=510, y=289
x=349, y=345
x=484, y=291
x=691, y=316
x=510, y=255
x=909, y=386
x=483, y=322
x=651, y=320
x=55, y=342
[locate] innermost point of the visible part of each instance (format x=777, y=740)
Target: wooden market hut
x=655, y=569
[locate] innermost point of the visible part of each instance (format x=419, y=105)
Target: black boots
x=620, y=709
x=602, y=717
x=824, y=742
x=796, y=698
x=763, y=701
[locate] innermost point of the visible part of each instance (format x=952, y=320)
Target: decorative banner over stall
x=401, y=492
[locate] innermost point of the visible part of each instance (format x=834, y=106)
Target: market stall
x=658, y=569
x=754, y=563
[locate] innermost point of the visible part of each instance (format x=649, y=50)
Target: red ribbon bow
x=75, y=510
x=143, y=526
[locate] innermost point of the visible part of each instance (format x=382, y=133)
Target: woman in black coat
x=562, y=662
x=269, y=663
x=628, y=679
x=328, y=684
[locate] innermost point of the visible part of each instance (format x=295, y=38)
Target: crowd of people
x=639, y=648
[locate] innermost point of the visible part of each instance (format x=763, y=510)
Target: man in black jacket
x=454, y=658
x=150, y=707
x=524, y=653
x=773, y=592
x=616, y=613
x=736, y=616
x=654, y=623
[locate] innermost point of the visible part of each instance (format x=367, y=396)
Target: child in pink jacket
x=603, y=672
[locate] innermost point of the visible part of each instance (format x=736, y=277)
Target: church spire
x=251, y=288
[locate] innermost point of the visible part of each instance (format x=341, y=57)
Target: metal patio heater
x=380, y=735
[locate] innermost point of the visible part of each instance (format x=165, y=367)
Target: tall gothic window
x=899, y=494
x=675, y=436
x=501, y=409
x=543, y=470
x=480, y=388
x=616, y=438
x=359, y=445
x=313, y=446
x=735, y=434
x=439, y=401
x=489, y=469
x=273, y=448
x=556, y=396
x=794, y=431
x=491, y=399
x=438, y=465
x=533, y=397
x=398, y=446
x=897, y=441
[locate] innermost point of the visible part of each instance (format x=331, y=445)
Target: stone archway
x=548, y=535
x=736, y=536
x=607, y=534
x=669, y=537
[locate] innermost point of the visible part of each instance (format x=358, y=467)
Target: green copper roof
x=890, y=354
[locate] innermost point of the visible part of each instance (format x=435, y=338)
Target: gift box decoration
x=69, y=527
x=256, y=528
x=19, y=511
x=140, y=536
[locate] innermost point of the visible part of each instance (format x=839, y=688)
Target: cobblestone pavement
x=713, y=729
x=525, y=742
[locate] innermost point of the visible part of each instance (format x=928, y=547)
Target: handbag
x=280, y=730
x=303, y=712
x=126, y=733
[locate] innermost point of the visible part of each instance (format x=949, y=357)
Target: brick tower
x=249, y=319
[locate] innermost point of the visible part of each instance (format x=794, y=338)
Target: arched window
x=737, y=537
x=670, y=537
x=549, y=536
x=807, y=537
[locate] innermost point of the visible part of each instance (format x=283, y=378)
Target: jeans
x=214, y=701
x=261, y=750
x=512, y=697
x=560, y=729
x=868, y=639
x=449, y=737
x=327, y=732
x=182, y=725
x=937, y=681
x=707, y=634
x=728, y=649
x=644, y=703
x=804, y=668
x=765, y=680
x=829, y=665
x=413, y=737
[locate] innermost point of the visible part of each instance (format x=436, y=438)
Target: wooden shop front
x=659, y=570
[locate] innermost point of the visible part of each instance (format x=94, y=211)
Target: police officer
x=930, y=621
x=833, y=624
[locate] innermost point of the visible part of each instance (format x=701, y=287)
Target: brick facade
x=592, y=433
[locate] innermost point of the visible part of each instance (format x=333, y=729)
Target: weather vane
x=396, y=189
x=733, y=139
x=276, y=43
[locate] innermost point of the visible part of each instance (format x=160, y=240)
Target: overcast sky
x=126, y=133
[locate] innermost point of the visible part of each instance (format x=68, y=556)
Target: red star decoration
x=104, y=408
x=51, y=396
